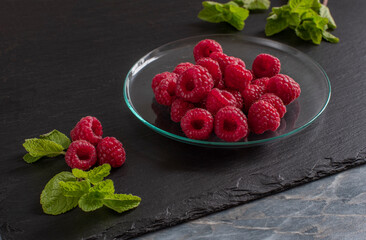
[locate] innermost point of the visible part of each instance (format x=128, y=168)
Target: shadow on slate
x=63, y=60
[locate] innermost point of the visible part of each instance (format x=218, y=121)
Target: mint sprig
x=50, y=144
x=85, y=189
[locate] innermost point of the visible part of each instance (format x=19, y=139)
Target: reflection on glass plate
x=314, y=83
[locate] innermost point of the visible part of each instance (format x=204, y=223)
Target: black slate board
x=63, y=60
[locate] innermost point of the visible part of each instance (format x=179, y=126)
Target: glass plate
x=314, y=83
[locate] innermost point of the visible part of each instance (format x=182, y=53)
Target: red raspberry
x=231, y=124
x=238, y=97
x=251, y=94
x=111, y=151
x=158, y=77
x=179, y=108
x=194, y=84
x=205, y=47
x=213, y=68
x=81, y=154
x=225, y=60
x=284, y=87
x=261, y=82
x=182, y=67
x=197, y=124
x=262, y=117
x=165, y=92
x=237, y=77
x=89, y=129
x=276, y=102
x=265, y=65
x=217, y=99
x=221, y=84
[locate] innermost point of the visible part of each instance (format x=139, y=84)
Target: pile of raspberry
x=218, y=94
x=88, y=147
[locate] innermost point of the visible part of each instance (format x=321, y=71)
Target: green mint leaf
x=42, y=147
x=29, y=159
x=99, y=173
x=275, y=25
x=325, y=13
x=104, y=187
x=121, y=202
x=75, y=189
x=309, y=31
x=53, y=200
x=57, y=137
x=330, y=37
x=229, y=12
x=297, y=5
x=316, y=5
x=79, y=173
x=91, y=201
x=253, y=4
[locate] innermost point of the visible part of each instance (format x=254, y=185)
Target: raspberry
x=251, y=94
x=205, y=47
x=213, y=68
x=221, y=84
x=158, y=77
x=89, y=129
x=179, y=108
x=194, y=84
x=261, y=82
x=81, y=154
x=111, y=151
x=265, y=65
x=182, y=67
x=197, y=124
x=284, y=87
x=231, y=124
x=238, y=97
x=225, y=60
x=262, y=117
x=165, y=92
x=276, y=102
x=237, y=77
x=218, y=99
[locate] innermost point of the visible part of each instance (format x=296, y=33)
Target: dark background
x=62, y=60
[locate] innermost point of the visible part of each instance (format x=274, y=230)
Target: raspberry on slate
x=81, y=154
x=237, y=96
x=179, y=108
x=194, y=84
x=158, y=77
x=251, y=94
x=237, y=77
x=231, y=124
x=225, y=60
x=165, y=92
x=197, y=124
x=284, y=87
x=182, y=67
x=213, y=68
x=205, y=47
x=262, y=117
x=261, y=82
x=111, y=151
x=89, y=129
x=217, y=99
x=276, y=102
x=266, y=65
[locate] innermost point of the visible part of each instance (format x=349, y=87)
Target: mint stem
x=325, y=2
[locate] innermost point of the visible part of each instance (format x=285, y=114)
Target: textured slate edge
x=211, y=202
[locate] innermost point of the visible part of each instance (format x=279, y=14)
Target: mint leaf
x=29, y=159
x=79, y=173
x=254, y=4
x=297, y=5
x=42, y=147
x=325, y=12
x=75, y=189
x=91, y=201
x=52, y=199
x=121, y=202
x=229, y=12
x=275, y=24
x=57, y=137
x=99, y=173
x=105, y=187
x=330, y=37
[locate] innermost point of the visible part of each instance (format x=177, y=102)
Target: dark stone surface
x=62, y=60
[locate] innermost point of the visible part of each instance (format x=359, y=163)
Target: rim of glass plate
x=227, y=144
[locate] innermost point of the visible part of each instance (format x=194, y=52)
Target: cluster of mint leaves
x=50, y=144
x=85, y=189
x=310, y=19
